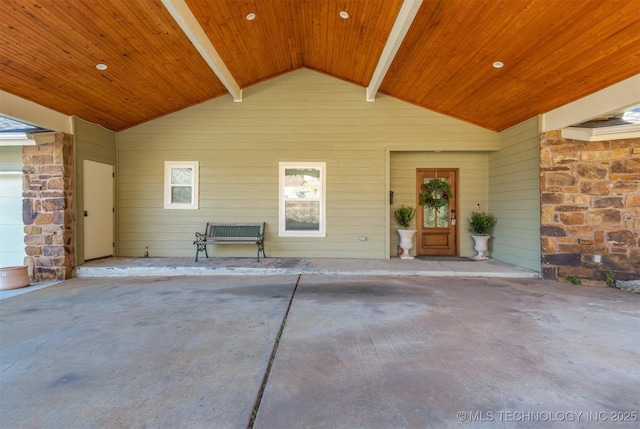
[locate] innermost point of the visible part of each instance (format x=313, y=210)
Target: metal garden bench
x=230, y=233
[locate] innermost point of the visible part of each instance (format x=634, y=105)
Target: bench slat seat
x=230, y=233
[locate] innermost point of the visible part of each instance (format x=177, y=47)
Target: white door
x=11, y=227
x=98, y=209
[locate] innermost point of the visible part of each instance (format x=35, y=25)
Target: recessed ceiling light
x=344, y=14
x=101, y=66
x=498, y=64
x=251, y=16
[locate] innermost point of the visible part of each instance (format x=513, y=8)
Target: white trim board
x=616, y=98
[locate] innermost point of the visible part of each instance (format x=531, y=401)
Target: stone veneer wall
x=590, y=205
x=47, y=208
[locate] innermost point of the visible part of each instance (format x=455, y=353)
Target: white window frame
x=282, y=227
x=195, y=166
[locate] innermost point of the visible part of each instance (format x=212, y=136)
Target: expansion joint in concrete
x=265, y=379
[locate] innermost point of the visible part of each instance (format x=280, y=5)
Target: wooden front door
x=437, y=228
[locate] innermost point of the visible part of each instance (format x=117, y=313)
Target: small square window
x=181, y=185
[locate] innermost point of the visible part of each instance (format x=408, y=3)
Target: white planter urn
x=406, y=242
x=481, y=246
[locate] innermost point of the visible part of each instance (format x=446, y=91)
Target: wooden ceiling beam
x=405, y=18
x=189, y=24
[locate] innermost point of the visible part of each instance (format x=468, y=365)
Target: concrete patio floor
x=354, y=352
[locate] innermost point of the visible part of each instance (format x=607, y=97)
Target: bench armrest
x=200, y=237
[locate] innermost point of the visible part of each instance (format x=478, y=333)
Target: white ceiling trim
x=189, y=24
x=614, y=99
x=23, y=110
x=405, y=18
x=617, y=132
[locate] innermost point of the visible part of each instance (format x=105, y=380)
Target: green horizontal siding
x=514, y=189
x=302, y=116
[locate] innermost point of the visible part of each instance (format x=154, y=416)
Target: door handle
x=86, y=214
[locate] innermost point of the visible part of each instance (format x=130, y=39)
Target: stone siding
x=47, y=208
x=590, y=205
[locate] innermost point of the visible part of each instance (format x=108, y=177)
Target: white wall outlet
x=597, y=258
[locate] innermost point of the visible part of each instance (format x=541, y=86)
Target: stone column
x=590, y=208
x=47, y=208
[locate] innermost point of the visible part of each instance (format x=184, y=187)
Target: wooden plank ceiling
x=554, y=51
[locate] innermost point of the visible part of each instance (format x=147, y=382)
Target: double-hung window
x=181, y=184
x=302, y=199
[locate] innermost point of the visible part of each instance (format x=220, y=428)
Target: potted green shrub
x=480, y=225
x=404, y=216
